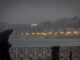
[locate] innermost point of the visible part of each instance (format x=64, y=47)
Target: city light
x=42, y=33
x=68, y=33
x=34, y=24
x=26, y=33
x=38, y=33
x=50, y=33
x=62, y=33
x=76, y=33
x=33, y=33
x=45, y=34
x=55, y=33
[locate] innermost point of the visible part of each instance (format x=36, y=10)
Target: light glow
x=34, y=24
x=26, y=33
x=33, y=33
x=38, y=33
x=62, y=33
x=42, y=33
x=68, y=33
x=50, y=33
x=55, y=33
x=76, y=33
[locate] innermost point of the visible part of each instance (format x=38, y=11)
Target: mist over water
x=25, y=12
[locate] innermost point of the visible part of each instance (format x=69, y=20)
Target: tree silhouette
x=5, y=45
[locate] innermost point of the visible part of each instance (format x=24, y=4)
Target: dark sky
x=37, y=10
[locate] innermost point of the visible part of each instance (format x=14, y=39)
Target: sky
x=28, y=11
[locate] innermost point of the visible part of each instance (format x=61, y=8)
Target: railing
x=28, y=53
x=42, y=49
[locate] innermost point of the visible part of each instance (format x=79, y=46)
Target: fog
x=24, y=12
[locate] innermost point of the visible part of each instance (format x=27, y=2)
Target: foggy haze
x=15, y=12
